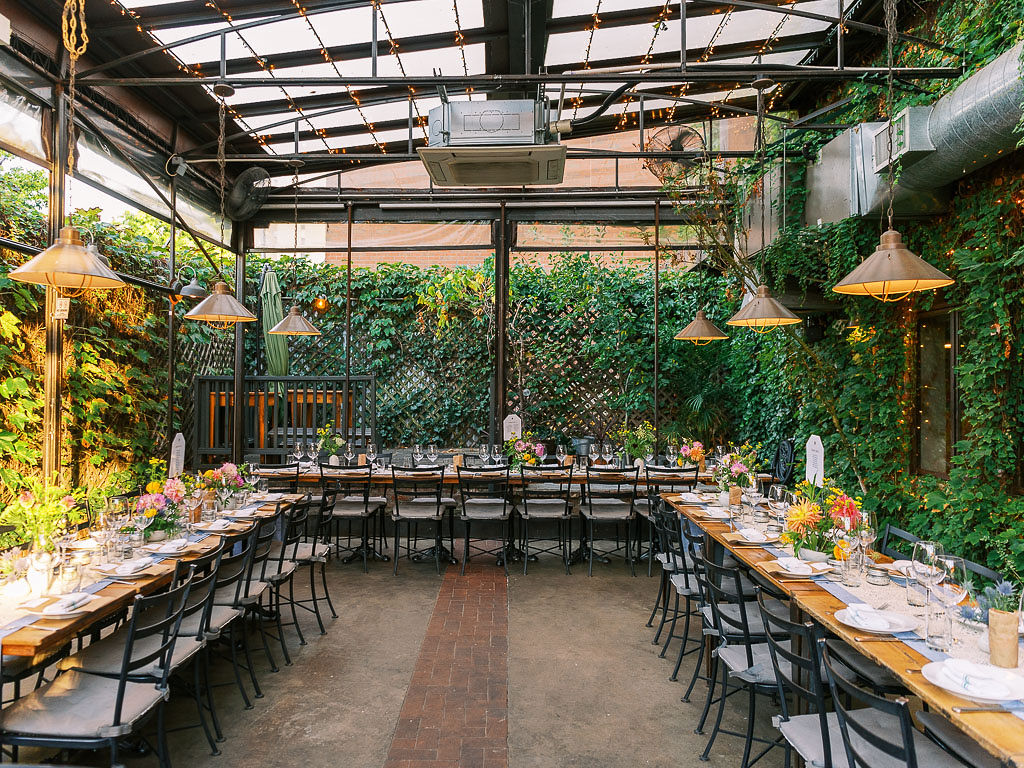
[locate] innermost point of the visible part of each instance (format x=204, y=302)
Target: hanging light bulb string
x=75, y=35
x=890, y=42
x=221, y=160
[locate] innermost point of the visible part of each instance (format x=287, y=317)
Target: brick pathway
x=455, y=713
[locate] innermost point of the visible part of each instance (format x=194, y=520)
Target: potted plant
x=737, y=468
x=636, y=443
x=328, y=443
x=998, y=606
x=812, y=524
x=524, y=449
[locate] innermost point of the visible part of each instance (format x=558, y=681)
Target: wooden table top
x=1000, y=733
x=46, y=636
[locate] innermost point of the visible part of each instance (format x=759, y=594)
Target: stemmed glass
x=950, y=591
x=484, y=452
x=868, y=530
x=595, y=453
x=371, y=453
x=560, y=454
x=670, y=454
x=297, y=451
x=927, y=566
x=753, y=490
x=349, y=452
x=777, y=501
x=496, y=453
x=417, y=453
x=432, y=453
x=607, y=452
x=649, y=456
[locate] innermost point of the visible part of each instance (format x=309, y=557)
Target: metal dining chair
x=547, y=494
x=417, y=500
x=611, y=493
x=485, y=500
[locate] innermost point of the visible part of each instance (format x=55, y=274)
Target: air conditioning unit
x=910, y=140
x=491, y=144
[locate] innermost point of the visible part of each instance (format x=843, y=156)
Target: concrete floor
x=585, y=687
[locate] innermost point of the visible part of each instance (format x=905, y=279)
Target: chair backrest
x=321, y=529
x=984, y=571
x=153, y=616
x=295, y=521
x=540, y=482
x=419, y=483
x=203, y=572
x=606, y=482
x=866, y=743
x=892, y=538
x=263, y=545
x=667, y=480
x=354, y=481
x=723, y=587
x=286, y=476
x=797, y=666
x=234, y=568
x=475, y=484
x=784, y=461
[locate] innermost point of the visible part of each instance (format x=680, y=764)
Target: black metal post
x=501, y=266
x=172, y=268
x=657, y=292
x=53, y=368
x=238, y=412
x=348, y=325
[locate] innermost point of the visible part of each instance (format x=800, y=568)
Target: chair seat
x=803, y=732
x=608, y=509
x=378, y=501
x=679, y=584
x=106, y=655
x=311, y=551
x=250, y=595
x=676, y=564
x=277, y=571
x=876, y=676
x=486, y=509
x=413, y=510
x=955, y=740
x=547, y=509
x=220, y=617
x=354, y=509
x=761, y=672
x=77, y=705
x=755, y=624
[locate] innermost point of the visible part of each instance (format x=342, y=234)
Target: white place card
x=512, y=427
x=177, y=463
x=815, y=471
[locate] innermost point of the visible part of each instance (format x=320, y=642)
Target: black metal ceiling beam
x=186, y=14
x=694, y=73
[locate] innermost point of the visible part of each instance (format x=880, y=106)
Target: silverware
x=43, y=629
x=878, y=639
x=961, y=710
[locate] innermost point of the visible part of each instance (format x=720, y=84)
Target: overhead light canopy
x=701, y=331
x=69, y=265
x=763, y=313
x=220, y=308
x=294, y=324
x=892, y=272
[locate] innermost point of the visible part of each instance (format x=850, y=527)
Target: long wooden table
x=46, y=636
x=1000, y=733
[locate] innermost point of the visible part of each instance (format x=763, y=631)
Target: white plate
x=84, y=544
x=898, y=622
x=79, y=611
x=1014, y=683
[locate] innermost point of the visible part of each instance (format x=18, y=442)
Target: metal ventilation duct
x=968, y=128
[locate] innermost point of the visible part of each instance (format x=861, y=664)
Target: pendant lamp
x=220, y=309
x=763, y=313
x=701, y=331
x=892, y=272
x=193, y=290
x=68, y=265
x=294, y=324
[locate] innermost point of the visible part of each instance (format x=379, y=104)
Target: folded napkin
x=130, y=567
x=217, y=525
x=693, y=498
x=717, y=514
x=975, y=679
x=68, y=603
x=272, y=496
x=902, y=567
x=867, y=617
x=795, y=566
x=752, y=534
x=174, y=545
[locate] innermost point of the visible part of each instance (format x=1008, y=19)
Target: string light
x=591, y=28
x=659, y=24
x=460, y=40
x=401, y=67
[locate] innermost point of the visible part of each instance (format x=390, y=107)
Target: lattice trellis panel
x=213, y=358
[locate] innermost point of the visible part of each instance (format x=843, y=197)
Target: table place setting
x=980, y=683
x=876, y=621
x=66, y=606
x=136, y=568
x=793, y=568
x=750, y=537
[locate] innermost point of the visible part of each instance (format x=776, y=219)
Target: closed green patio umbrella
x=273, y=312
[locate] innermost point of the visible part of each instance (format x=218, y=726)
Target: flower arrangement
x=227, y=478
x=813, y=521
x=524, y=449
x=1003, y=596
x=636, y=442
x=39, y=512
x=162, y=499
x=732, y=471
x=690, y=452
x=328, y=440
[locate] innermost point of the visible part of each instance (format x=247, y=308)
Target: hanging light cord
x=890, y=41
x=76, y=41
x=295, y=216
x=221, y=160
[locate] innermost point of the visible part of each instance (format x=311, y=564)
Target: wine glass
x=349, y=452
x=607, y=452
x=432, y=453
x=649, y=455
x=297, y=451
x=670, y=454
x=753, y=490
x=484, y=452
x=868, y=529
x=417, y=453
x=371, y=453
x=950, y=590
x=595, y=453
x=497, y=453
x=560, y=454
x=926, y=564
x=777, y=500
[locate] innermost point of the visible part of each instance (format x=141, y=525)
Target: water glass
x=853, y=567
x=735, y=516
x=371, y=453
x=917, y=595
x=939, y=628
x=209, y=512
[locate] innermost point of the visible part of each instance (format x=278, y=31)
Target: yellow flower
x=532, y=460
x=153, y=486
x=151, y=512
x=841, y=550
x=787, y=538
x=526, y=457
x=208, y=473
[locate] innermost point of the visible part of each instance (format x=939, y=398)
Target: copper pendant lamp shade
x=68, y=264
x=220, y=308
x=892, y=272
x=294, y=324
x=763, y=313
x=701, y=331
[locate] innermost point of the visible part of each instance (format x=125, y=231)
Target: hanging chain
x=759, y=138
x=76, y=40
x=221, y=161
x=890, y=42
x=295, y=214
